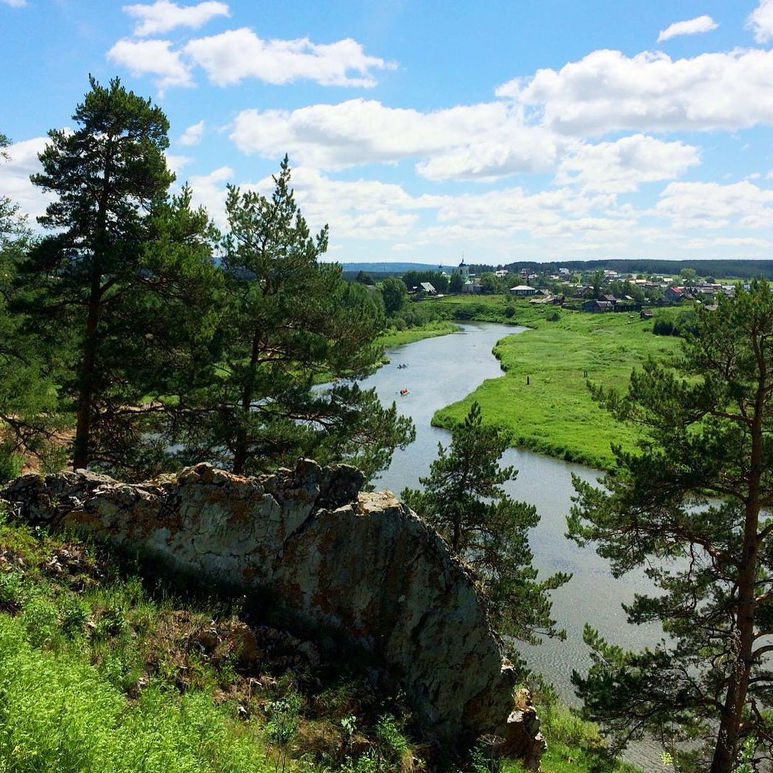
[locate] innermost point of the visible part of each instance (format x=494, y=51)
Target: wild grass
x=542, y=399
x=438, y=327
x=103, y=671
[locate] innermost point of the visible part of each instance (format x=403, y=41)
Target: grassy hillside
x=101, y=670
x=542, y=399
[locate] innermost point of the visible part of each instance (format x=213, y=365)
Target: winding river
x=438, y=371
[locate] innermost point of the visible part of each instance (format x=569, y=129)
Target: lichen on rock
x=360, y=563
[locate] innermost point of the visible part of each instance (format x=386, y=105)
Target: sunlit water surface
x=439, y=371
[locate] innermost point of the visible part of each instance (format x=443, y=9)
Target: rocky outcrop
x=356, y=562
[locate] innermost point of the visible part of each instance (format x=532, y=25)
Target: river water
x=441, y=370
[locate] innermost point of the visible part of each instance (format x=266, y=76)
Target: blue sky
x=424, y=130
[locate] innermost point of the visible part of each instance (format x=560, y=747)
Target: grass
x=410, y=335
x=103, y=671
x=574, y=745
x=542, y=400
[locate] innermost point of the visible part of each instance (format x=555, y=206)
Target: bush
x=509, y=311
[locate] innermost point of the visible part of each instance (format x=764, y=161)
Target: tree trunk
x=241, y=446
x=81, y=448
x=86, y=379
x=728, y=735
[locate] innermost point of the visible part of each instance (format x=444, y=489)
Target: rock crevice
x=361, y=563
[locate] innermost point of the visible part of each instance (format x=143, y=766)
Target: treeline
x=720, y=269
x=136, y=338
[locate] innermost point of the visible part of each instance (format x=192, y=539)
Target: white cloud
x=622, y=165
x=607, y=90
x=688, y=27
x=163, y=16
x=177, y=163
x=232, y=56
x=715, y=206
x=729, y=241
x=15, y=3
x=15, y=176
x=760, y=21
x=471, y=142
x=152, y=57
x=192, y=135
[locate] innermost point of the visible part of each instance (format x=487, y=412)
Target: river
x=439, y=371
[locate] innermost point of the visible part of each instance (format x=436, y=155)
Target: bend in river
x=438, y=371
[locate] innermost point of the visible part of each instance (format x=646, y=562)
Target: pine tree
x=289, y=322
x=692, y=507
x=463, y=499
x=95, y=290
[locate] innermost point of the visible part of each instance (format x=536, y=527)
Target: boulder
x=359, y=563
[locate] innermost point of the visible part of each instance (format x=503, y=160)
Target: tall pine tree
x=692, y=507
x=289, y=322
x=464, y=500
x=101, y=277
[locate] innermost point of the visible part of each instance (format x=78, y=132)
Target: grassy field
x=542, y=399
x=432, y=329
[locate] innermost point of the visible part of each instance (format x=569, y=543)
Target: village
x=596, y=291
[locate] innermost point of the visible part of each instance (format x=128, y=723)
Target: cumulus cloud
x=472, y=142
x=14, y=3
x=760, y=21
x=712, y=205
x=15, y=182
x=152, y=57
x=192, y=135
x=688, y=27
x=623, y=165
x=163, y=16
x=232, y=56
x=607, y=90
x=729, y=241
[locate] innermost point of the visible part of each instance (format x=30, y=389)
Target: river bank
x=540, y=395
x=444, y=370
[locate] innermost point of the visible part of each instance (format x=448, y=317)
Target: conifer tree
x=95, y=289
x=463, y=499
x=692, y=507
x=289, y=321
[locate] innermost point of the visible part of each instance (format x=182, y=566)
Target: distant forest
x=741, y=269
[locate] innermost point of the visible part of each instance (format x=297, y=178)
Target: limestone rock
x=359, y=563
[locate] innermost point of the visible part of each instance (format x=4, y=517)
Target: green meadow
x=542, y=399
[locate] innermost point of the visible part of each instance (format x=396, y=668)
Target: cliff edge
x=358, y=562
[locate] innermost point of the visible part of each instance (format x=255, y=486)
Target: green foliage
x=121, y=282
x=27, y=394
x=283, y=725
x=58, y=714
x=287, y=320
x=692, y=506
x=394, y=294
x=464, y=500
x=456, y=283
x=436, y=278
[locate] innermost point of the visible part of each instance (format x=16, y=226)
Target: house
x=501, y=273
x=674, y=294
x=522, y=290
x=598, y=306
x=645, y=314
x=610, y=298
x=427, y=288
